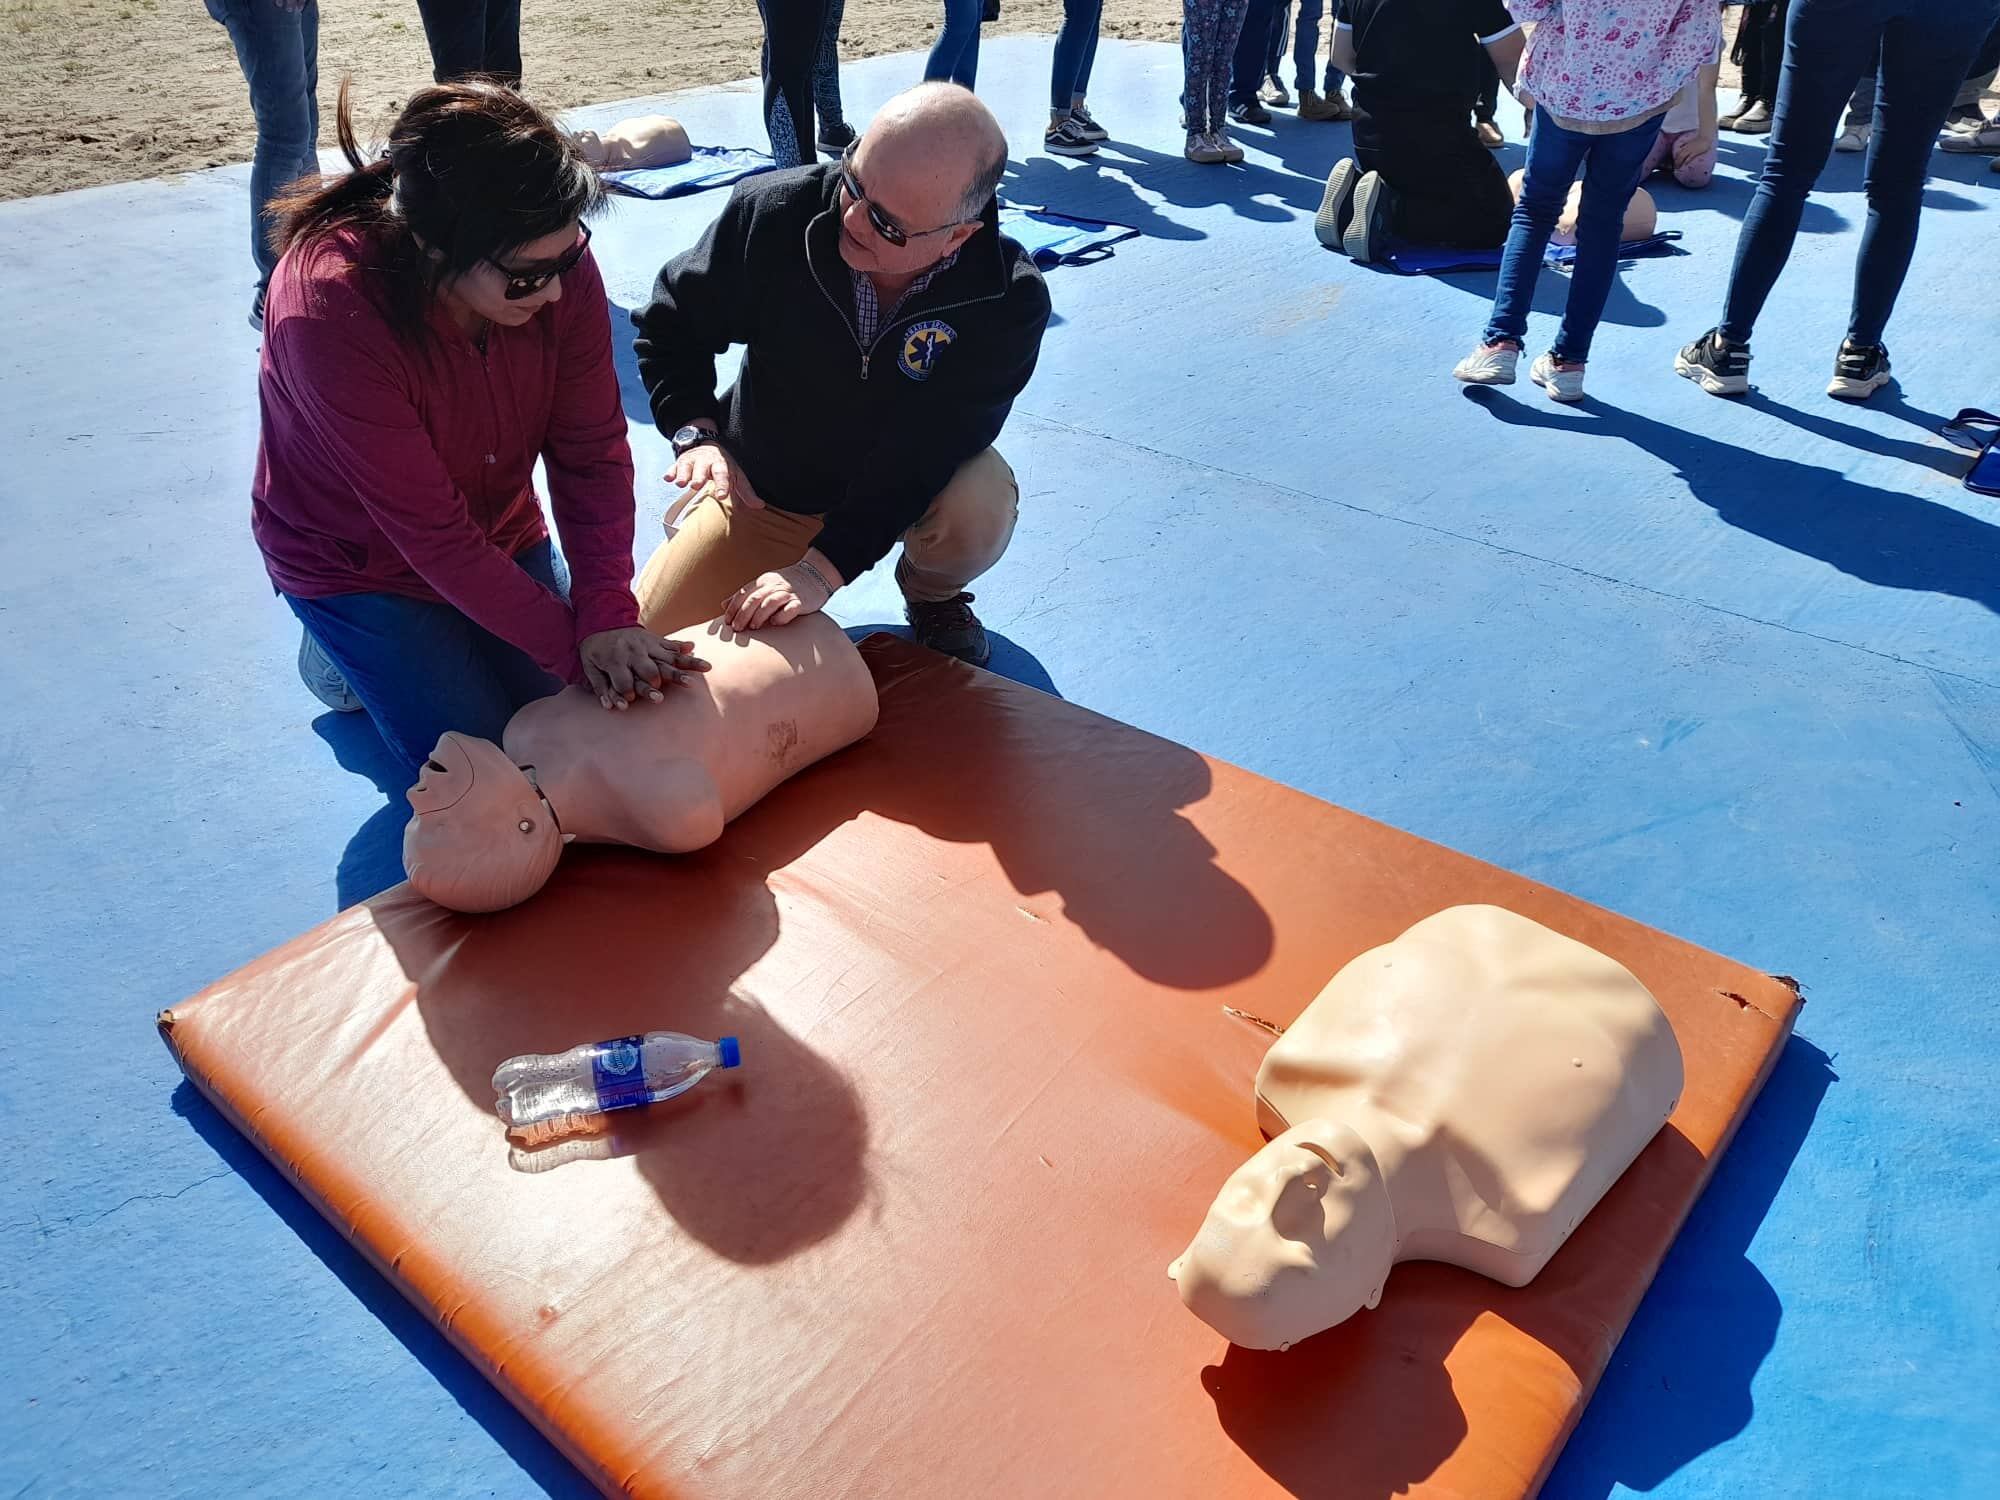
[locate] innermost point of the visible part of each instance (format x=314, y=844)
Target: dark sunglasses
x=885, y=226
x=526, y=283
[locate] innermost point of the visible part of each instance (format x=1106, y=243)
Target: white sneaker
x=1330, y=222
x=1854, y=139
x=1984, y=141
x=1562, y=383
x=1275, y=95
x=1489, y=364
x=1201, y=148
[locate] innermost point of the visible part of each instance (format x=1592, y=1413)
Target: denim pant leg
x=1090, y=53
x=421, y=668
x=1921, y=50
x=1305, y=44
x=1612, y=168
x=1075, y=43
x=1828, y=45
x=1555, y=156
x=955, y=53
x=278, y=51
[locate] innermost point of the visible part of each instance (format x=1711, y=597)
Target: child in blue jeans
x=1602, y=74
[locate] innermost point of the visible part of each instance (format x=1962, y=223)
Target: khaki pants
x=721, y=546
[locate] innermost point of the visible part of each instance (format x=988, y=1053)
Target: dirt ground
x=110, y=90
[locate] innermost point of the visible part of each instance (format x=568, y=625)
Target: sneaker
x=1202, y=148
x=1274, y=95
x=1964, y=119
x=1858, y=372
x=1854, y=138
x=1250, y=113
x=1489, y=135
x=1563, y=382
x=1336, y=207
x=1367, y=232
x=1756, y=120
x=322, y=678
x=1981, y=141
x=1231, y=152
x=834, y=139
x=257, y=309
x=1067, y=139
x=1489, y=364
x=950, y=627
x=1086, y=124
x=1716, y=365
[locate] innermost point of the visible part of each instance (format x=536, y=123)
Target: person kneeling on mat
x=888, y=328
x=434, y=326
x=1420, y=172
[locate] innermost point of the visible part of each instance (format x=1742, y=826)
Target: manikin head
x=643, y=141
x=1300, y=1238
x=483, y=837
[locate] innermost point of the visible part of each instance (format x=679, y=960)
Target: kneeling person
x=888, y=328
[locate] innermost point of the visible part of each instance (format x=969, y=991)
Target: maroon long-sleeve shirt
x=392, y=466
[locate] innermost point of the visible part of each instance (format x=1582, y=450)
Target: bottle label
x=615, y=1067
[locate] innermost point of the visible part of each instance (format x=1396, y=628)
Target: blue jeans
x=1305, y=48
x=1076, y=52
x=955, y=53
x=278, y=51
x=1926, y=48
x=1610, y=165
x=1246, y=70
x=420, y=667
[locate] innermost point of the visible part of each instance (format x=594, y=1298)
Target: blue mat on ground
x=1437, y=260
x=1060, y=239
x=709, y=167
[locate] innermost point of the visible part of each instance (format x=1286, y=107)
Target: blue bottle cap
x=732, y=1055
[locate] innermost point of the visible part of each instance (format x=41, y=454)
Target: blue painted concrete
x=1733, y=669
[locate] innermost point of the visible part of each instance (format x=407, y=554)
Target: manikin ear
x=1374, y=1299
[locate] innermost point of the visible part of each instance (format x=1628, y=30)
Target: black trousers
x=793, y=30
x=473, y=38
x=1448, y=189
x=1760, y=47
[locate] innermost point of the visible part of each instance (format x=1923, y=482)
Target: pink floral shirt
x=1598, y=61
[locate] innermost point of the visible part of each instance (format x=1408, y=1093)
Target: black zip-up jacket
x=865, y=437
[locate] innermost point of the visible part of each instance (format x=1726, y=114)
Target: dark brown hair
x=472, y=170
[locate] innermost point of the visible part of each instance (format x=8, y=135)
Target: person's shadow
x=1367, y=1410
x=1884, y=537
x=373, y=858
x=1010, y=659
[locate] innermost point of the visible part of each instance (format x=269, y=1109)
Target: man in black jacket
x=888, y=328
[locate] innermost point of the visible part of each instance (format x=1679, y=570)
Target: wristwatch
x=692, y=436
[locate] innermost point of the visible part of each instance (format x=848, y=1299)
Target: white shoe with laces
x=1854, y=139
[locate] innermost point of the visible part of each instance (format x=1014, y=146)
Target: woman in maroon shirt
x=435, y=325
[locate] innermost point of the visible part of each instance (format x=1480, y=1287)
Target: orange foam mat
x=917, y=1246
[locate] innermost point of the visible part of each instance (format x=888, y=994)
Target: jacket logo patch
x=921, y=345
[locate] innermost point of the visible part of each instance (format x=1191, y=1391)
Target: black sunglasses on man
x=885, y=226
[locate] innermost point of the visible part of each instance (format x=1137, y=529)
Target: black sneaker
x=1336, y=205
x=257, y=309
x=1251, y=113
x=1858, y=371
x=1716, y=365
x=950, y=627
x=1068, y=139
x=834, y=139
x=1366, y=237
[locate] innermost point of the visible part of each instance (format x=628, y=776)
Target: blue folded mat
x=709, y=167
x=1978, y=430
x=1060, y=239
x=1439, y=260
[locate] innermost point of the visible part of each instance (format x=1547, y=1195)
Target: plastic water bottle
x=546, y=1096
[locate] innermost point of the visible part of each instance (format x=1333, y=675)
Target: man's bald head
x=939, y=129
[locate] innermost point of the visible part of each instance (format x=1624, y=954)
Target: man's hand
x=781, y=597
x=622, y=664
x=710, y=465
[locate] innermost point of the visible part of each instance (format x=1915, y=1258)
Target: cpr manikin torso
x=660, y=776
x=643, y=141
x=1466, y=1093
